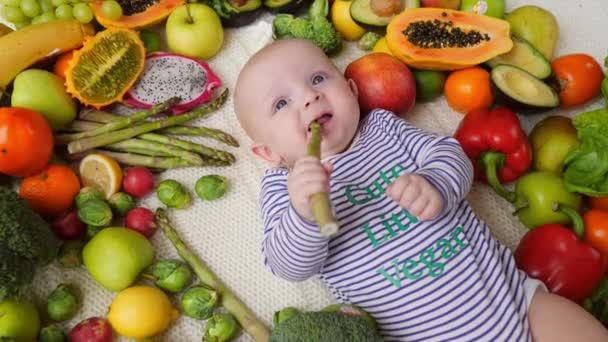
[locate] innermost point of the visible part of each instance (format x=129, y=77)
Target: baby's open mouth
x=322, y=119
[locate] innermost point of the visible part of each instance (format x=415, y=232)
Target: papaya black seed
x=435, y=33
x=130, y=7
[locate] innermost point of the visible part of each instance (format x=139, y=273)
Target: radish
x=138, y=181
x=94, y=329
x=141, y=220
x=69, y=227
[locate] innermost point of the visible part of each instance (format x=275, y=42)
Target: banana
x=22, y=48
x=4, y=29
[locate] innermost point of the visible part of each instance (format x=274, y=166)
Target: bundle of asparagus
x=132, y=140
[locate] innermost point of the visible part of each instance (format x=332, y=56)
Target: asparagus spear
x=148, y=161
x=229, y=300
x=221, y=136
x=320, y=200
x=190, y=146
x=81, y=125
x=123, y=134
x=145, y=145
x=151, y=153
x=121, y=123
x=201, y=132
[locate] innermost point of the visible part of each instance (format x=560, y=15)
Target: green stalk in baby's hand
x=321, y=207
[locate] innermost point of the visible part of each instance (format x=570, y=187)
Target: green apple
x=537, y=26
x=44, y=92
x=115, y=256
x=552, y=139
x=491, y=8
x=194, y=30
x=19, y=319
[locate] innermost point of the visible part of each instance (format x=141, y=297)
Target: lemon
x=343, y=22
x=101, y=172
x=141, y=311
x=381, y=46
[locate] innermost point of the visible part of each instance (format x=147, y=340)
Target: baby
x=410, y=250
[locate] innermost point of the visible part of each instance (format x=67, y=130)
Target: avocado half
x=236, y=13
x=284, y=6
x=522, y=91
x=361, y=11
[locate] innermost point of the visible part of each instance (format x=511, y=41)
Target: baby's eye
x=316, y=79
x=280, y=104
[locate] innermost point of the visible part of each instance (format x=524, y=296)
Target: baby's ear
x=266, y=153
x=353, y=87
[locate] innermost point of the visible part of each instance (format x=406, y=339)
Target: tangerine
x=469, y=89
x=52, y=191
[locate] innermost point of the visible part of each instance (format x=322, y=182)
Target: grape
x=58, y=3
x=30, y=8
x=22, y=24
x=46, y=6
x=63, y=11
x=13, y=3
x=13, y=14
x=82, y=12
x=111, y=9
x=46, y=17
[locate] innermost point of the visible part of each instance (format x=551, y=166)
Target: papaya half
x=137, y=14
x=442, y=39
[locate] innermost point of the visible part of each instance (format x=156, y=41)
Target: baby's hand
x=307, y=177
x=416, y=195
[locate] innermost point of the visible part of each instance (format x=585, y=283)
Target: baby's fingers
x=432, y=209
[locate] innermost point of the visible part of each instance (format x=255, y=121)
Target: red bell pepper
x=558, y=257
x=497, y=145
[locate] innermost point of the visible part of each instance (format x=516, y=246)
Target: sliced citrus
x=101, y=172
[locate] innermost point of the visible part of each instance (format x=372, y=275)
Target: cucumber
x=525, y=56
x=521, y=91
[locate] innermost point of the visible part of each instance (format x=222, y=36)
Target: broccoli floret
x=315, y=28
x=324, y=327
x=26, y=242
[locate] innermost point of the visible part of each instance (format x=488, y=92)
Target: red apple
x=94, y=329
x=383, y=82
x=450, y=4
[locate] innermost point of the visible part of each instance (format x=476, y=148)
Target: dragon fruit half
x=167, y=75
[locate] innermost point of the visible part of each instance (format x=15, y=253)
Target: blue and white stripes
x=441, y=280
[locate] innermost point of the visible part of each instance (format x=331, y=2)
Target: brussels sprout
x=283, y=314
x=199, y=301
x=63, y=303
x=92, y=231
x=210, y=187
x=171, y=275
x=95, y=213
x=221, y=327
x=86, y=194
x=51, y=333
x=173, y=194
x=121, y=203
x=70, y=254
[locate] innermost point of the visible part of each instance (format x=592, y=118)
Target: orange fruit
x=52, y=191
x=61, y=64
x=469, y=89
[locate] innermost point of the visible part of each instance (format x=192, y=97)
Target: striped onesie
x=446, y=279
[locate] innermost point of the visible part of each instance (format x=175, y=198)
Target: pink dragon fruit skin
x=168, y=74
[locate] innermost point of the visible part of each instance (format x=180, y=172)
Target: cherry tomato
x=579, y=78
x=598, y=203
x=468, y=89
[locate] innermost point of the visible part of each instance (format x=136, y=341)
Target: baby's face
x=285, y=90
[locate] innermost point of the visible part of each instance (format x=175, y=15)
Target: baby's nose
x=311, y=101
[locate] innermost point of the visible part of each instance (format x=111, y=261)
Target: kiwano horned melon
x=107, y=65
x=137, y=13
x=442, y=39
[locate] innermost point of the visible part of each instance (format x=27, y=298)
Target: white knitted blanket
x=227, y=233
